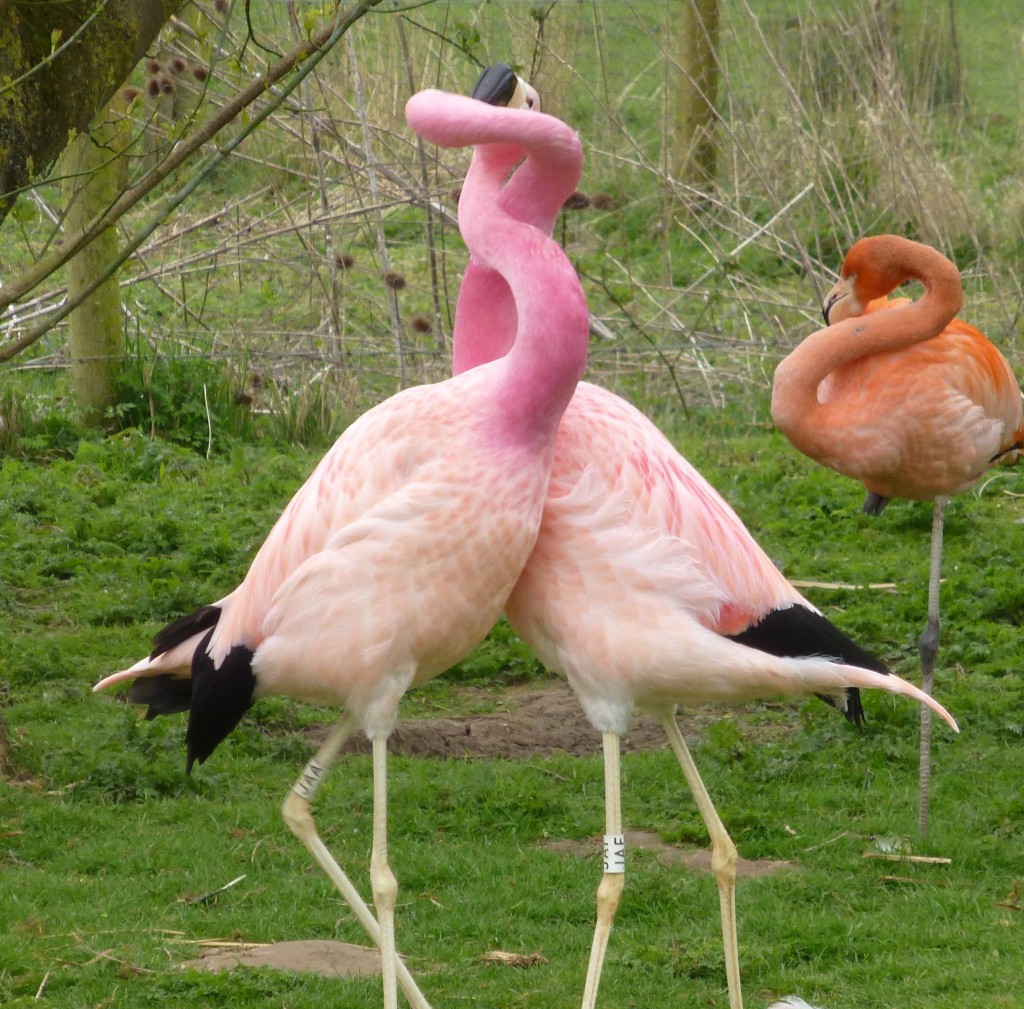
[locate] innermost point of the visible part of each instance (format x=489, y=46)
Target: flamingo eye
x=529, y=103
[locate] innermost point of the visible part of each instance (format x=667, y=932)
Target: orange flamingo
x=904, y=397
x=644, y=589
x=397, y=555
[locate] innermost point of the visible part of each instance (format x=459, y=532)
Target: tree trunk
x=95, y=175
x=693, y=92
x=64, y=62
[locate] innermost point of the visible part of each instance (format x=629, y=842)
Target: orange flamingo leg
x=613, y=881
x=298, y=816
x=928, y=649
x=723, y=858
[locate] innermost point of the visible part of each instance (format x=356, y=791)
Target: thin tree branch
x=306, y=56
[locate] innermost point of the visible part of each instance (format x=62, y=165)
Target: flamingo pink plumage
x=397, y=555
x=903, y=396
x=644, y=588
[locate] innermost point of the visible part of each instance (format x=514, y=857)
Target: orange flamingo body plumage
x=398, y=554
x=902, y=396
x=644, y=588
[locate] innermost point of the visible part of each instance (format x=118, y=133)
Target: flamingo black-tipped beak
x=500, y=85
x=833, y=297
x=496, y=85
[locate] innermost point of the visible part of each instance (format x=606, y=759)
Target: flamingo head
x=500, y=85
x=847, y=298
x=877, y=265
x=841, y=302
x=872, y=268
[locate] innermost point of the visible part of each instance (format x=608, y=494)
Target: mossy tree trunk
x=60, y=64
x=95, y=170
x=693, y=92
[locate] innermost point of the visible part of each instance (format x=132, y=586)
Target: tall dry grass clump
x=843, y=121
x=871, y=115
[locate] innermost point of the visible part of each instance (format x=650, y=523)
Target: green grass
x=103, y=839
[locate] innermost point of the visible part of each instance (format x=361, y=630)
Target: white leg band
x=614, y=853
x=309, y=781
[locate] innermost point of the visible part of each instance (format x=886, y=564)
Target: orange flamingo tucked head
x=878, y=265
x=904, y=397
x=901, y=395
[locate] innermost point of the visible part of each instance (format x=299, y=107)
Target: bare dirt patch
x=312, y=956
x=532, y=722
x=324, y=957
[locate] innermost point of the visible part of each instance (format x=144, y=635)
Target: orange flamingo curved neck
x=872, y=269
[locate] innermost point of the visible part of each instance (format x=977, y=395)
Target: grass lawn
x=105, y=844
x=104, y=841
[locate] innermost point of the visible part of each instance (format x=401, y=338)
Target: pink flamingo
x=904, y=397
x=644, y=589
x=397, y=555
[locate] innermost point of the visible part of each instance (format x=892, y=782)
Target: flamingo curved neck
x=549, y=351
x=523, y=299
x=485, y=315
x=796, y=408
x=485, y=318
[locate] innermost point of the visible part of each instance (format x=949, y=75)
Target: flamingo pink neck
x=485, y=318
x=485, y=314
x=549, y=345
x=519, y=279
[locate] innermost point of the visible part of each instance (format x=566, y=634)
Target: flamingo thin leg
x=723, y=858
x=298, y=816
x=929, y=648
x=382, y=879
x=612, y=882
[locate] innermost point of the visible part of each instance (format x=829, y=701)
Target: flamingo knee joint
x=298, y=815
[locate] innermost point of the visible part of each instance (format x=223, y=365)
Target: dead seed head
x=130, y=94
x=177, y=65
x=394, y=280
x=153, y=66
x=602, y=201
x=221, y=6
x=576, y=201
x=344, y=261
x=153, y=87
x=166, y=85
x=200, y=73
x=421, y=324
